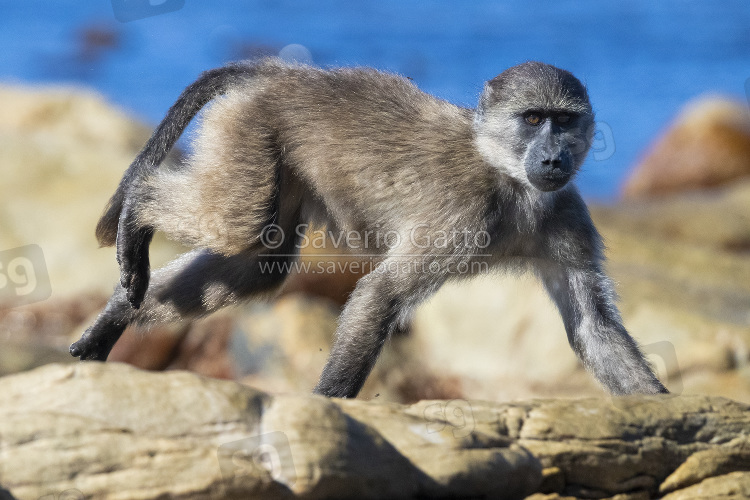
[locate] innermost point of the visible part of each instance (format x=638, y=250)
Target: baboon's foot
x=96, y=344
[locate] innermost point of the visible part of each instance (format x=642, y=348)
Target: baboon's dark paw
x=134, y=268
x=134, y=275
x=89, y=348
x=135, y=284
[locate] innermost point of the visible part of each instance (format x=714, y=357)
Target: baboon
x=284, y=144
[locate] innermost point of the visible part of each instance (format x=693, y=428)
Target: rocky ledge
x=95, y=430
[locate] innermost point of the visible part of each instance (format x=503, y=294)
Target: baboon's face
x=556, y=146
x=535, y=123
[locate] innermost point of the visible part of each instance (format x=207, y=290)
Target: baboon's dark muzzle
x=549, y=169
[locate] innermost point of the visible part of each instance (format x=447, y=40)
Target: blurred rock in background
x=62, y=153
x=708, y=145
x=682, y=265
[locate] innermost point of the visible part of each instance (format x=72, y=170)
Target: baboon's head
x=535, y=122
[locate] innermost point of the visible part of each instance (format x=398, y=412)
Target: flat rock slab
x=96, y=430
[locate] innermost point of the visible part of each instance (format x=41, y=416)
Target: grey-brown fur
x=367, y=152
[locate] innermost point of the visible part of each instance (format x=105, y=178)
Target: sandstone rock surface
x=112, y=431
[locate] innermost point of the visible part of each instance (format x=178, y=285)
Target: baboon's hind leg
x=195, y=284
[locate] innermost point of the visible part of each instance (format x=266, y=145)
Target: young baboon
x=288, y=144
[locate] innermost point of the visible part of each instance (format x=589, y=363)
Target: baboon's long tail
x=209, y=85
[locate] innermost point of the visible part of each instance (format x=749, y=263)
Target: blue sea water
x=641, y=60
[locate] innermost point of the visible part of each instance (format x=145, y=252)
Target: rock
x=733, y=486
x=501, y=337
x=730, y=457
x=37, y=334
x=108, y=430
x=40, y=333
x=63, y=153
x=715, y=218
x=201, y=346
x=707, y=145
x=553, y=480
x=627, y=446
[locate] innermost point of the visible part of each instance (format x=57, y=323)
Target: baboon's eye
x=563, y=118
x=533, y=118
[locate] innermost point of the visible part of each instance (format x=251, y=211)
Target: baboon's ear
x=485, y=100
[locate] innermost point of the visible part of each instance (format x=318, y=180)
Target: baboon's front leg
x=380, y=302
x=585, y=298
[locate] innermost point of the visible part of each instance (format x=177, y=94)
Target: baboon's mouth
x=550, y=181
